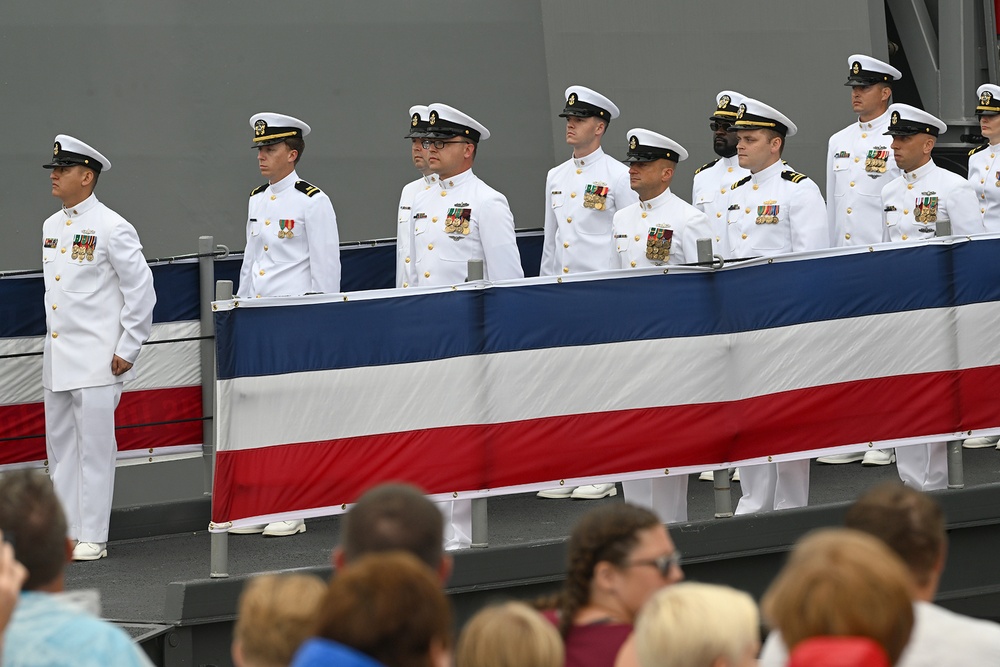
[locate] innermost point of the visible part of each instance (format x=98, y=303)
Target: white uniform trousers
x=457, y=523
x=774, y=486
x=666, y=496
x=80, y=444
x=923, y=467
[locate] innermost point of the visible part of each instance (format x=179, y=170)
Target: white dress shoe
x=709, y=475
x=89, y=551
x=284, y=528
x=879, y=457
x=982, y=442
x=248, y=530
x=594, y=491
x=561, y=492
x=836, y=459
x=736, y=474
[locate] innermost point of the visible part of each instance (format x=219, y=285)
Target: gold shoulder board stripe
x=257, y=190
x=740, y=182
x=792, y=176
x=705, y=166
x=307, y=188
x=977, y=149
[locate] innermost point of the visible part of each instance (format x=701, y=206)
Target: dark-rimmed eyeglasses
x=716, y=126
x=440, y=143
x=663, y=563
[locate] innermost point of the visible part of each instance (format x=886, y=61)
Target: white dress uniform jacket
x=663, y=230
x=914, y=203
x=859, y=163
x=403, y=231
x=776, y=211
x=984, y=175
x=98, y=296
x=582, y=196
x=459, y=219
x=293, y=246
x=709, y=194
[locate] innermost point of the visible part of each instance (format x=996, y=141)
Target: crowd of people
x=857, y=596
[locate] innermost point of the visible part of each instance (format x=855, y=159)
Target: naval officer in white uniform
x=984, y=175
x=913, y=204
x=712, y=181
x=404, y=234
x=293, y=246
x=458, y=219
x=772, y=211
x=581, y=197
x=858, y=165
x=660, y=229
x=925, y=194
x=98, y=312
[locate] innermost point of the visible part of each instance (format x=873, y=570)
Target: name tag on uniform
x=50, y=243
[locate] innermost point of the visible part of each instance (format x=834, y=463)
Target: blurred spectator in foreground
x=509, y=635
x=276, y=613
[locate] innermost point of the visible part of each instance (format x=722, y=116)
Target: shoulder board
x=706, y=166
x=793, y=176
x=977, y=149
x=306, y=188
x=745, y=179
x=257, y=190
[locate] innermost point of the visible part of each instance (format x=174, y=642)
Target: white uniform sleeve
x=135, y=281
x=496, y=231
x=831, y=181
x=616, y=258
x=324, y=245
x=886, y=237
x=400, y=265
x=809, y=227
x=243, y=289
x=697, y=227
x=963, y=209
x=548, y=266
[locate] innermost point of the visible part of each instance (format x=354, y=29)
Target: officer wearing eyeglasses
x=460, y=218
x=713, y=180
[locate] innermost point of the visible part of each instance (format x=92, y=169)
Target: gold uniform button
x=991, y=155
x=982, y=196
x=565, y=245
x=58, y=278
x=982, y=180
x=718, y=215
x=427, y=274
x=265, y=248
x=755, y=186
x=54, y=306
x=848, y=210
x=722, y=191
x=864, y=135
x=257, y=297
x=909, y=186
x=69, y=222
x=55, y=334
x=852, y=184
x=730, y=169
x=565, y=269
x=744, y=236
x=444, y=193
x=636, y=237
x=430, y=246
x=906, y=211
x=261, y=272
x=273, y=197
x=407, y=260
x=406, y=284
x=63, y=251
x=267, y=222
x=579, y=171
x=633, y=263
x=982, y=210
x=847, y=236
x=857, y=159
x=569, y=219
x=905, y=237
x=747, y=209
x=572, y=195
x=434, y=219
x=644, y=214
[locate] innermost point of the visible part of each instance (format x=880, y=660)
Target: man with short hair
x=99, y=302
x=46, y=629
x=858, y=165
x=394, y=517
x=404, y=231
x=772, y=211
x=293, y=246
x=912, y=524
x=713, y=180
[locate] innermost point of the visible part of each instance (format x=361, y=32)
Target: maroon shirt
x=594, y=645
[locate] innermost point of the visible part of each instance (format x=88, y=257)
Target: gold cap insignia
x=55, y=149
x=856, y=68
x=986, y=98
x=572, y=99
x=743, y=110
x=434, y=118
x=633, y=143
x=259, y=128
x=416, y=119
x=895, y=118
x=724, y=101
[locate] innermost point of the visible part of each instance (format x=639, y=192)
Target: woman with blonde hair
x=276, y=613
x=509, y=635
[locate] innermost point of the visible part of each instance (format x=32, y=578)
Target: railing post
x=206, y=290
x=723, y=495
x=220, y=541
x=480, y=516
x=956, y=468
